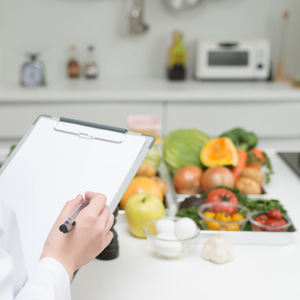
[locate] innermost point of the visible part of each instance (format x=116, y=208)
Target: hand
x=89, y=237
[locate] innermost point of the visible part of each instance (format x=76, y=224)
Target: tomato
x=274, y=214
x=237, y=217
x=222, y=216
x=213, y=225
x=209, y=214
x=273, y=225
x=220, y=195
x=260, y=220
x=281, y=222
x=233, y=227
x=271, y=222
x=263, y=217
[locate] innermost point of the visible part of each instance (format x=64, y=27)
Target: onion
x=187, y=180
x=217, y=176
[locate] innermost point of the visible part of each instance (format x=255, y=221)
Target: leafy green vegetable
x=242, y=139
x=153, y=157
x=269, y=167
x=192, y=213
x=251, y=157
x=182, y=148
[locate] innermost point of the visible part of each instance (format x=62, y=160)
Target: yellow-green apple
x=141, y=208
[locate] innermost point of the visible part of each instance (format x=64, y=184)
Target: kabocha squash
x=219, y=152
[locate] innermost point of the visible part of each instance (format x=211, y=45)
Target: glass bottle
x=90, y=66
x=176, y=67
x=73, y=66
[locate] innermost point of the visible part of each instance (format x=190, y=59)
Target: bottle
x=73, y=66
x=90, y=66
x=177, y=58
x=112, y=250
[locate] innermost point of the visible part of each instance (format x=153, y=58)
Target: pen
x=70, y=222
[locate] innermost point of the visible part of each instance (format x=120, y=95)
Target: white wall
x=50, y=26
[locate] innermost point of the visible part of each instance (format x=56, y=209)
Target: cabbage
x=182, y=148
x=153, y=157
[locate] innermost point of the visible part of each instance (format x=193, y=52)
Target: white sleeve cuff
x=50, y=281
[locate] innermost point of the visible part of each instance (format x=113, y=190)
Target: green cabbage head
x=182, y=147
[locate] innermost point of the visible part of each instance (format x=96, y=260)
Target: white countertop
x=257, y=272
x=149, y=90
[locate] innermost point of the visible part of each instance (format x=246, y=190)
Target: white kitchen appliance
x=233, y=59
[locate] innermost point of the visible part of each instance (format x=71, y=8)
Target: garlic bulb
x=218, y=250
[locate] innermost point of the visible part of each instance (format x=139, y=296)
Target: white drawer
x=267, y=120
x=15, y=119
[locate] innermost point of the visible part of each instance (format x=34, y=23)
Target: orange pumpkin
x=141, y=184
x=219, y=152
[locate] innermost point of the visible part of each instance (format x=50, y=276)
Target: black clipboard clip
x=89, y=135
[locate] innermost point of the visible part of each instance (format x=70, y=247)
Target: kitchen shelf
x=154, y=90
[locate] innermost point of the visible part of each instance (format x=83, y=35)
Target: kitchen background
x=51, y=26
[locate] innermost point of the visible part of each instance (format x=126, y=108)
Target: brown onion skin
x=217, y=176
x=187, y=180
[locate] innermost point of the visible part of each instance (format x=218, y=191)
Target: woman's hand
x=89, y=237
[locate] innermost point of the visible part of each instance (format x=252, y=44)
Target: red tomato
x=220, y=195
x=274, y=214
x=273, y=224
x=261, y=221
x=263, y=218
x=281, y=222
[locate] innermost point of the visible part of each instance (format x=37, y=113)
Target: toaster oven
x=233, y=60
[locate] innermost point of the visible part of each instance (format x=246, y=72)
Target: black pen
x=70, y=222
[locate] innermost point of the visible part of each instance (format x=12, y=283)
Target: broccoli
x=242, y=139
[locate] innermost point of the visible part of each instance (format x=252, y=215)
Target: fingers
x=69, y=207
x=105, y=220
x=96, y=205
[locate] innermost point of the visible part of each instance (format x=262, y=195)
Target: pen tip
x=63, y=228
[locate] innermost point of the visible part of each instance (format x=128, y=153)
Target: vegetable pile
x=199, y=163
x=189, y=207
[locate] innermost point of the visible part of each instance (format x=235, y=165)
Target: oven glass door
x=228, y=58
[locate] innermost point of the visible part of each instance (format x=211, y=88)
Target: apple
x=141, y=208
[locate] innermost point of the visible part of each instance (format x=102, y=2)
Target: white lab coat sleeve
x=6, y=275
x=50, y=281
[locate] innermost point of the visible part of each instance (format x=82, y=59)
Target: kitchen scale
x=33, y=72
x=292, y=159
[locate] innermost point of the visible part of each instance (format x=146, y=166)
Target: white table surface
x=257, y=272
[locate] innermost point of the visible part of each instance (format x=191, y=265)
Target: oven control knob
x=260, y=66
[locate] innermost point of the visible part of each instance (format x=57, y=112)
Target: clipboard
x=57, y=159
